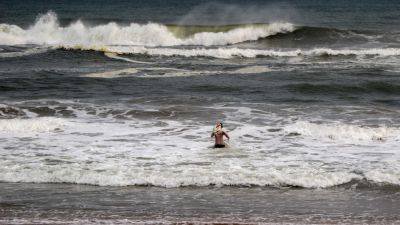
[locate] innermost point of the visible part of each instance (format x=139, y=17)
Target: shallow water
x=81, y=204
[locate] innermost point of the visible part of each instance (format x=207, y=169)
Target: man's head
x=219, y=124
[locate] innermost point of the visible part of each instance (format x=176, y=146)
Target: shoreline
x=27, y=203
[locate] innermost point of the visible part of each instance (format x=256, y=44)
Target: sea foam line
x=25, y=52
x=122, y=176
x=230, y=52
x=22, y=126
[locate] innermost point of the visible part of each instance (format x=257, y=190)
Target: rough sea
x=106, y=111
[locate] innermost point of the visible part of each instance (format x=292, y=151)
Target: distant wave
x=166, y=40
x=230, y=52
x=47, y=31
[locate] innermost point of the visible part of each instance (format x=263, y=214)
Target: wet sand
x=26, y=203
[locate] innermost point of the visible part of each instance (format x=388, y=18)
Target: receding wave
x=199, y=177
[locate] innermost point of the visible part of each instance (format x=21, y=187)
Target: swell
x=304, y=36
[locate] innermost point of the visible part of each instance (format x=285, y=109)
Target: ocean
x=106, y=111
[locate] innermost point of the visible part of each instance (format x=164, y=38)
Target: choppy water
x=127, y=94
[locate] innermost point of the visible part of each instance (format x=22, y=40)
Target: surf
x=232, y=52
x=216, y=41
x=47, y=31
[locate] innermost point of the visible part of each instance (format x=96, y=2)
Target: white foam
x=169, y=152
x=221, y=52
x=252, y=69
x=238, y=35
x=21, y=126
x=160, y=156
x=384, y=176
x=342, y=131
x=47, y=31
x=113, y=74
x=359, y=52
x=116, y=56
x=230, y=52
x=192, y=175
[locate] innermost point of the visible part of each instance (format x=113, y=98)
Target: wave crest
x=308, y=178
x=230, y=52
x=47, y=31
x=122, y=176
x=340, y=131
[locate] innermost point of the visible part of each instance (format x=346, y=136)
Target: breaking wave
x=229, y=52
x=200, y=41
x=122, y=176
x=340, y=131
x=47, y=31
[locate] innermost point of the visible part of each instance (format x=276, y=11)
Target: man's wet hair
x=222, y=126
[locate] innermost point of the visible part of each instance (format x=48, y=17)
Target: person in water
x=219, y=134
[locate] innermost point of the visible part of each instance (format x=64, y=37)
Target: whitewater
x=96, y=147
x=47, y=31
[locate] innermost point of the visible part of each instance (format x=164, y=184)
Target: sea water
x=120, y=94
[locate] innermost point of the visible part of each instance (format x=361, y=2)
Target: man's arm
x=226, y=135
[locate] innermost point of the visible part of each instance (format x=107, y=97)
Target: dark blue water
x=345, y=14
